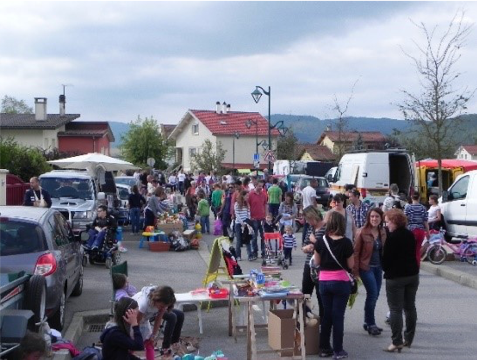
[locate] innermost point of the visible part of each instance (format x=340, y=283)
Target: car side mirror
x=445, y=196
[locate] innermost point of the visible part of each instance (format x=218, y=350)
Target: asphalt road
x=447, y=314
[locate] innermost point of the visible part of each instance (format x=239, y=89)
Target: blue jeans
x=238, y=242
x=205, y=224
x=334, y=295
x=258, y=228
x=273, y=209
x=134, y=215
x=372, y=280
x=96, y=238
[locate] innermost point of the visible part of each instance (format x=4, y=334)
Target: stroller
x=274, y=250
x=108, y=254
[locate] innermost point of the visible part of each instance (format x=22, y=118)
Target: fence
x=16, y=188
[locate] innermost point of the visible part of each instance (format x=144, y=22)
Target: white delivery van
x=459, y=206
x=372, y=172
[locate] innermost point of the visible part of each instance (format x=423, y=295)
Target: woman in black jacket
x=117, y=341
x=401, y=272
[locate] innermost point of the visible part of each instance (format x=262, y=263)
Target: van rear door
x=471, y=216
x=456, y=209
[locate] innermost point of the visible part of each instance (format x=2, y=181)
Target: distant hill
x=308, y=128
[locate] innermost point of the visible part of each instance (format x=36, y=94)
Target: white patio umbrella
x=92, y=162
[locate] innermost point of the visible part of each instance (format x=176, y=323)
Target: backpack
x=398, y=203
x=89, y=353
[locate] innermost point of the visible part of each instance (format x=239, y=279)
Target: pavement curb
x=449, y=273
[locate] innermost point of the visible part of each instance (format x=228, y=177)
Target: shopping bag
x=218, y=226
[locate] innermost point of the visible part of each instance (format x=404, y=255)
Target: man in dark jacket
x=101, y=225
x=36, y=196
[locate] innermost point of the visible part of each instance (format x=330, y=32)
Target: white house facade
x=467, y=152
x=228, y=128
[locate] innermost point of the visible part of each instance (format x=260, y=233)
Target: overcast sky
x=124, y=59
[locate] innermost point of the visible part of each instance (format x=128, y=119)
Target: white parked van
x=372, y=172
x=459, y=206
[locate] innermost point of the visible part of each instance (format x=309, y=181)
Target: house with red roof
x=368, y=140
x=314, y=152
x=467, y=152
x=229, y=128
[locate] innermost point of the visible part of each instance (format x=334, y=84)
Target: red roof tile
x=366, y=136
x=227, y=124
x=471, y=149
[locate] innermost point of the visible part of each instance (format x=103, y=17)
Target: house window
x=192, y=152
x=195, y=129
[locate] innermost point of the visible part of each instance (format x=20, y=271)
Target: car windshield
x=123, y=193
x=20, y=237
x=126, y=181
x=68, y=187
x=321, y=183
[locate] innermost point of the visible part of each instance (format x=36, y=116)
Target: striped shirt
x=416, y=216
x=289, y=241
x=241, y=213
x=319, y=233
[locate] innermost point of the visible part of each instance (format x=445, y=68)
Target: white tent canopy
x=92, y=162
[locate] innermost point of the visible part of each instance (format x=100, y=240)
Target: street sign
x=151, y=161
x=256, y=164
x=256, y=157
x=269, y=156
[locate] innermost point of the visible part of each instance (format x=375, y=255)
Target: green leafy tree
x=25, y=162
x=10, y=105
x=287, y=146
x=435, y=110
x=208, y=158
x=143, y=141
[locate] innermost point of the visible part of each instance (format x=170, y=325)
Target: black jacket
x=29, y=197
x=117, y=344
x=399, y=254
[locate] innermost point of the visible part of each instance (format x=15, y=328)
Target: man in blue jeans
x=100, y=227
x=258, y=200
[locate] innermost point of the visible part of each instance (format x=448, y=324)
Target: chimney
x=224, y=108
x=217, y=107
x=62, y=105
x=227, y=109
x=40, y=109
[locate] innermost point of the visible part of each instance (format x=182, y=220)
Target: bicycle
x=466, y=249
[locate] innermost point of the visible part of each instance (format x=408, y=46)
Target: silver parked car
x=40, y=241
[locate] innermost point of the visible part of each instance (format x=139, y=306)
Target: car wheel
x=91, y=261
x=35, y=298
x=84, y=260
x=78, y=290
x=58, y=320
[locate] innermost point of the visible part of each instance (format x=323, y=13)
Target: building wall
x=84, y=145
x=187, y=141
x=44, y=139
x=306, y=157
x=328, y=143
x=245, y=147
x=465, y=155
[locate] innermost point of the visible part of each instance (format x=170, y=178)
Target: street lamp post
x=256, y=95
x=249, y=124
x=236, y=135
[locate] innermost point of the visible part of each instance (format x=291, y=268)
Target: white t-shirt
x=172, y=179
x=230, y=179
x=148, y=311
x=308, y=193
x=181, y=177
x=432, y=213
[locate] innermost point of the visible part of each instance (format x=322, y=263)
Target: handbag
x=218, y=226
x=352, y=279
x=314, y=271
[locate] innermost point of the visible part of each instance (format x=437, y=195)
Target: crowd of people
x=359, y=241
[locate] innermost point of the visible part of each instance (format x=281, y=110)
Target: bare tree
x=341, y=125
x=435, y=111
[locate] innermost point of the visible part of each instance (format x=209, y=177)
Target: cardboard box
x=188, y=234
x=158, y=246
x=281, y=330
x=312, y=339
x=170, y=227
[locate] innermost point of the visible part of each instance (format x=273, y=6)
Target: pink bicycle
x=466, y=249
